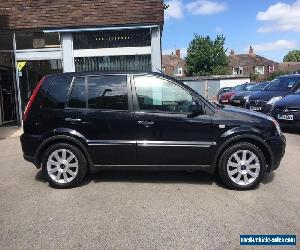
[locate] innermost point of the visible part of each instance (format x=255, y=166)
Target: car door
x=99, y=109
x=165, y=133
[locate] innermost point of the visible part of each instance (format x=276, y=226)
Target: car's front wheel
x=64, y=165
x=242, y=166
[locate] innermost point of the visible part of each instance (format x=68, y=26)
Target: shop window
x=37, y=40
x=122, y=63
x=112, y=39
x=6, y=41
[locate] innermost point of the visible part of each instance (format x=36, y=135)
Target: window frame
x=208, y=107
x=86, y=76
x=257, y=71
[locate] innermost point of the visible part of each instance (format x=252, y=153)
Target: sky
x=271, y=27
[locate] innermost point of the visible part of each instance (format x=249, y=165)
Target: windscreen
x=282, y=83
x=259, y=86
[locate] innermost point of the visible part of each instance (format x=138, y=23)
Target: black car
x=263, y=101
x=76, y=123
x=287, y=110
x=239, y=99
x=223, y=90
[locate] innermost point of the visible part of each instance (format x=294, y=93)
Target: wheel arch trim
x=244, y=138
x=62, y=138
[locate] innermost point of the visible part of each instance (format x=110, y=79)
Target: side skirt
x=204, y=168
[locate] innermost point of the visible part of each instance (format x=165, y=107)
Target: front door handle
x=146, y=123
x=72, y=119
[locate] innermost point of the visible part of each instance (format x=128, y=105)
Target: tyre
x=64, y=165
x=242, y=166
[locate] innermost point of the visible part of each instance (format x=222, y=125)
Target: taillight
x=32, y=98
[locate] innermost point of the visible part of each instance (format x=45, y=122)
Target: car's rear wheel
x=64, y=165
x=242, y=166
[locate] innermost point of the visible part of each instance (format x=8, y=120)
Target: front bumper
x=277, y=145
x=290, y=124
x=238, y=102
x=259, y=106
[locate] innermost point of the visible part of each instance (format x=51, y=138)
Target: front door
x=100, y=110
x=166, y=136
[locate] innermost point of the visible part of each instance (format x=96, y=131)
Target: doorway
x=7, y=92
x=30, y=72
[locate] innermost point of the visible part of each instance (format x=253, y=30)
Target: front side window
x=156, y=94
x=107, y=92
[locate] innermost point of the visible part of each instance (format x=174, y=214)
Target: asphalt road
x=143, y=210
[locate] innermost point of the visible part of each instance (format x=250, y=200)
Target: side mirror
x=195, y=110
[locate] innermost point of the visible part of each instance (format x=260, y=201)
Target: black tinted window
x=107, y=92
x=78, y=94
x=57, y=94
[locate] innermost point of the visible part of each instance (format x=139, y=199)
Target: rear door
x=166, y=136
x=100, y=109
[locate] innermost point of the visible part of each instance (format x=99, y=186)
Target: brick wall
x=29, y=14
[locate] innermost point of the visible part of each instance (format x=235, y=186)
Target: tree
x=254, y=77
x=206, y=56
x=166, y=6
x=292, y=56
x=275, y=74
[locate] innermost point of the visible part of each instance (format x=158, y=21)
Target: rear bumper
x=277, y=146
x=29, y=144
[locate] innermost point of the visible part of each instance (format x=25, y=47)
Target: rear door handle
x=72, y=119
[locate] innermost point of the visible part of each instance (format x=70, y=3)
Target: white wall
x=233, y=82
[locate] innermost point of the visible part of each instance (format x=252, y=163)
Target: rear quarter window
x=57, y=93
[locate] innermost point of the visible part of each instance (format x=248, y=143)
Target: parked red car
x=226, y=97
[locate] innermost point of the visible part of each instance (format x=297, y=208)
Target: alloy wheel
x=62, y=166
x=243, y=167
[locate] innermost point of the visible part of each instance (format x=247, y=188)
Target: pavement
x=10, y=131
x=143, y=210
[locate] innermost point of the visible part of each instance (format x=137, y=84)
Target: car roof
x=86, y=73
x=291, y=75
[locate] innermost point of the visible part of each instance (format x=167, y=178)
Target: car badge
x=286, y=110
x=256, y=102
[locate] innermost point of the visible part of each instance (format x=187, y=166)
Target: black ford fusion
x=263, y=101
x=76, y=123
x=239, y=99
x=287, y=110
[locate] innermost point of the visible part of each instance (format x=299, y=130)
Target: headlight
x=246, y=98
x=274, y=99
x=278, y=129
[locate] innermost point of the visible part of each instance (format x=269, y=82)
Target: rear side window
x=107, y=92
x=78, y=94
x=102, y=92
x=57, y=94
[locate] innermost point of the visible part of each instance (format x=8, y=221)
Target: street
x=139, y=210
